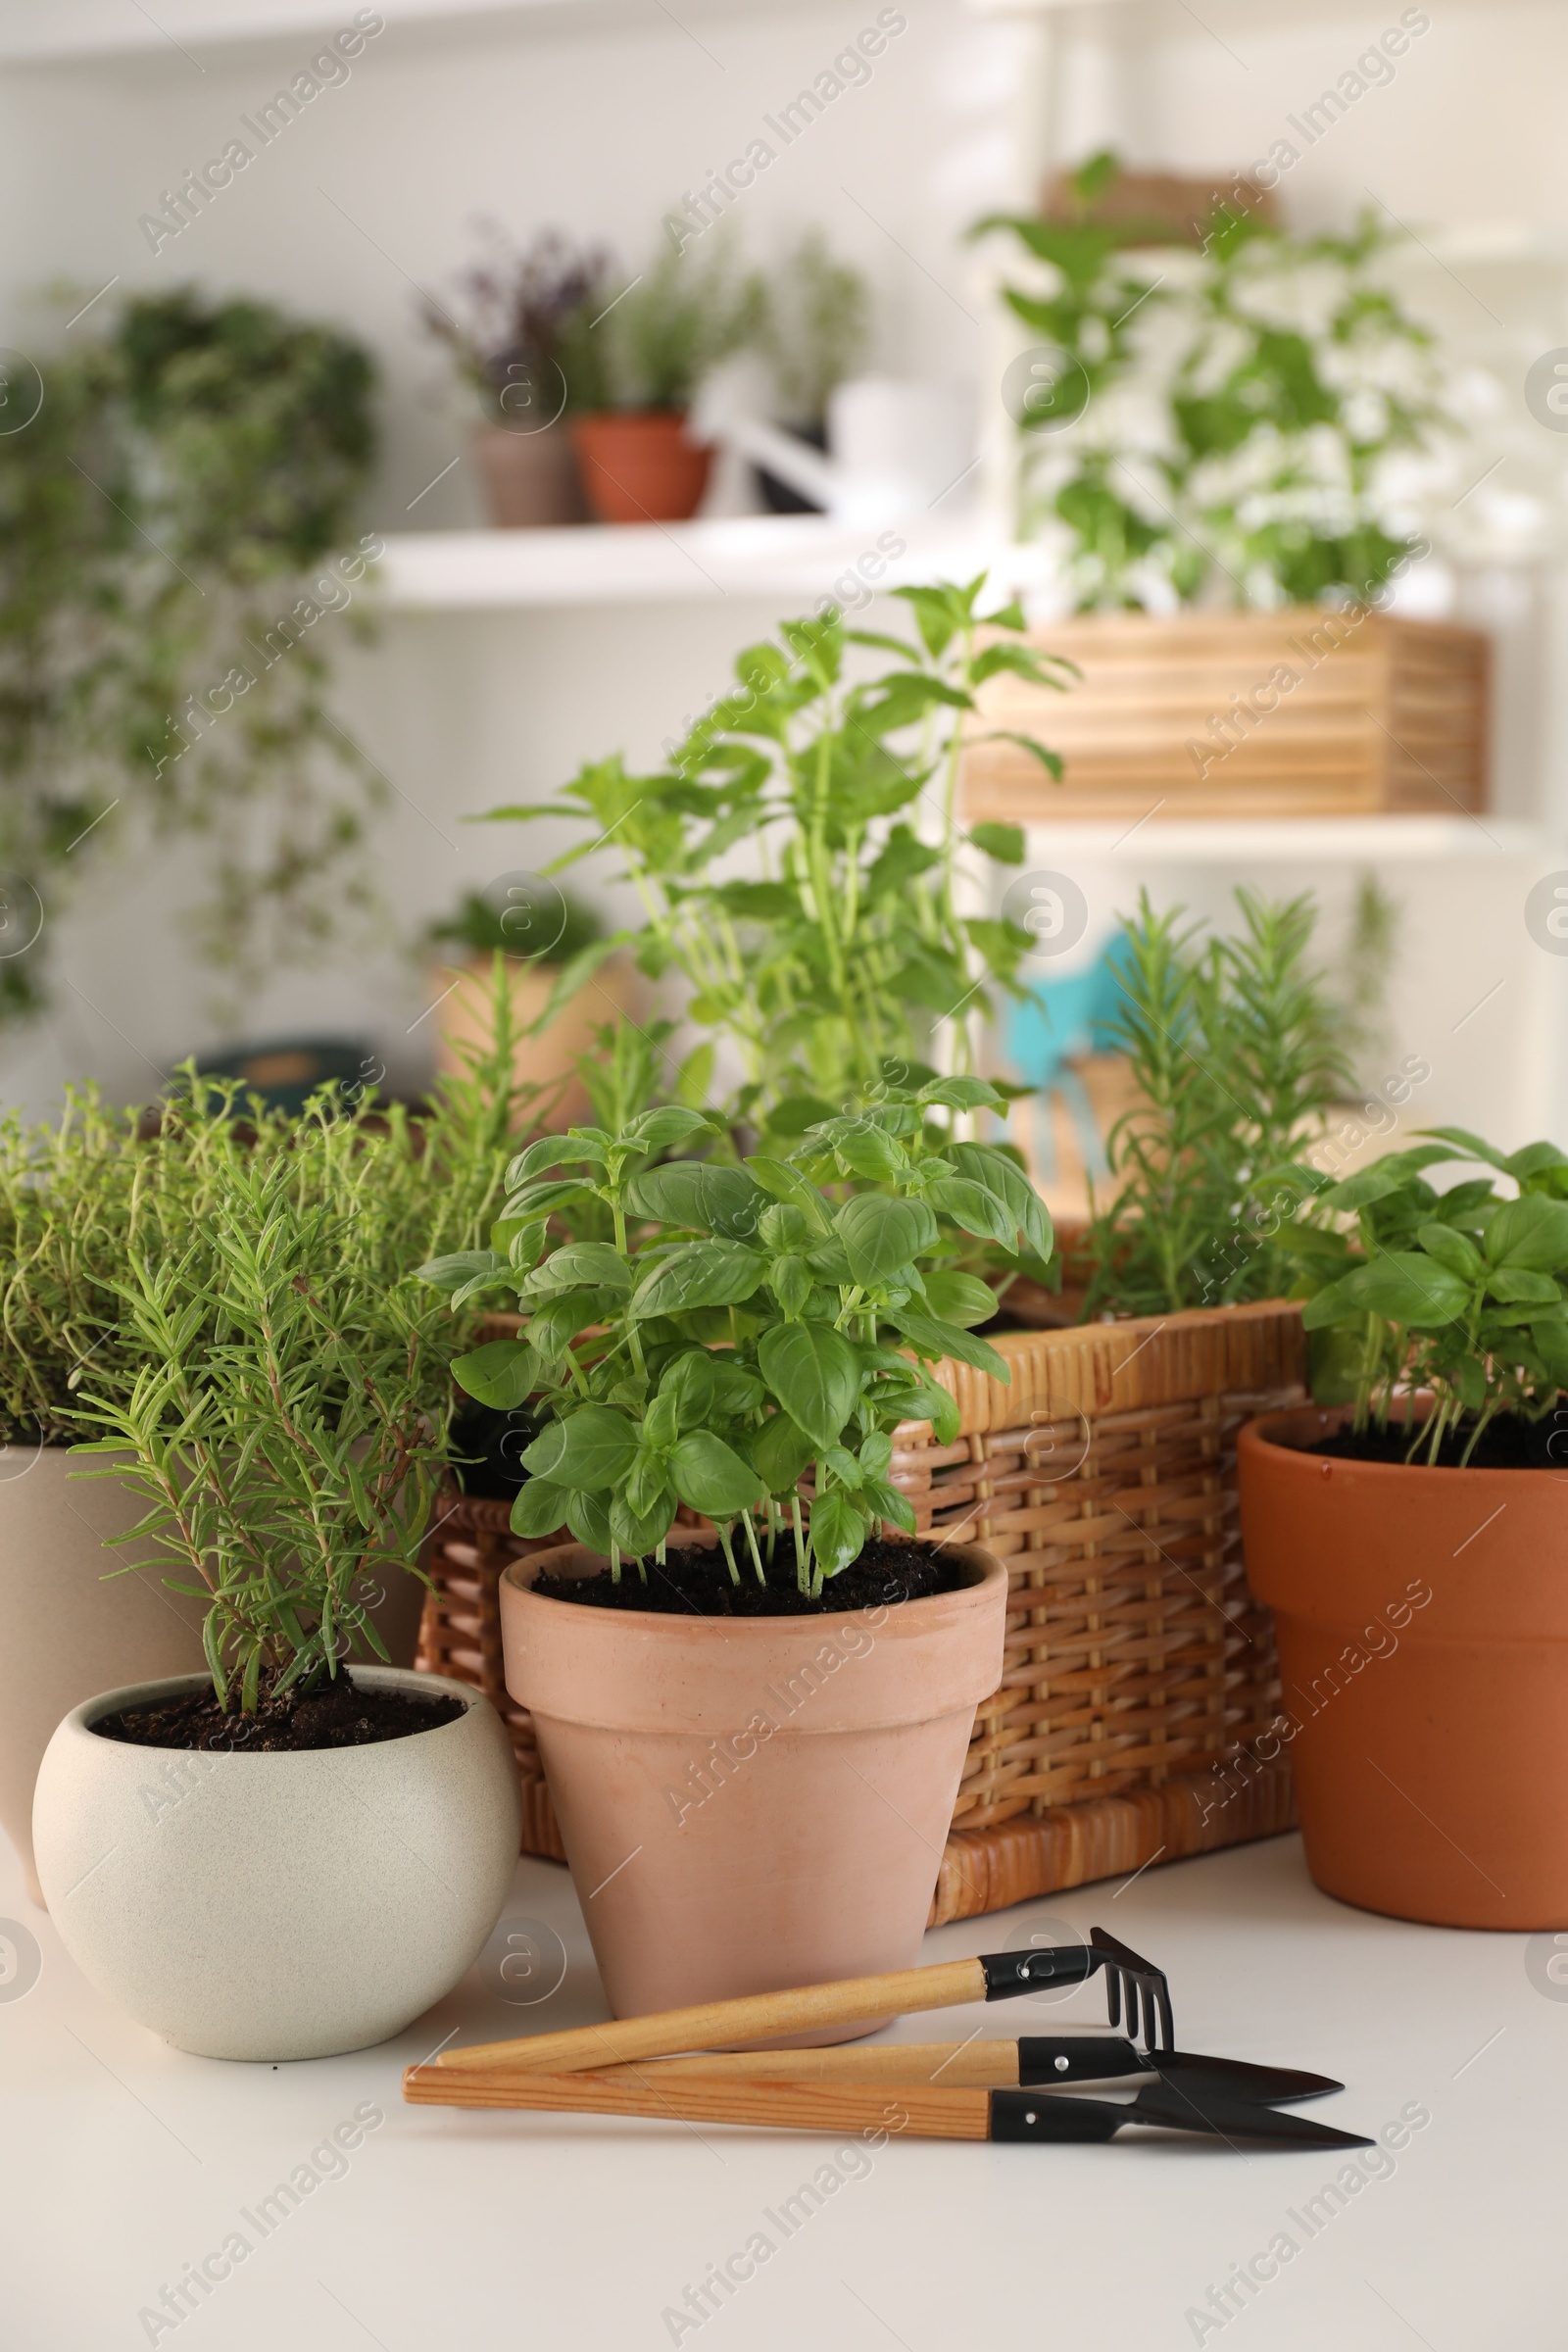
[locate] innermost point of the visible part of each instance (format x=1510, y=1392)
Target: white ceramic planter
x=71, y=1626
x=277, y=1907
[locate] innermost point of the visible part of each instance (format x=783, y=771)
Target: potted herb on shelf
x=1224, y=449
x=289, y=1856
x=522, y=308
x=1409, y=1532
x=812, y=337
x=638, y=366
x=754, y=1744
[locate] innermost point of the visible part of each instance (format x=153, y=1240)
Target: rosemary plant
x=1235, y=1047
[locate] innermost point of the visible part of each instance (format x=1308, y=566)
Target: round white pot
x=70, y=1625
x=277, y=1907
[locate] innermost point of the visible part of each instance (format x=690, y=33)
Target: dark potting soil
x=341, y=1714
x=1506, y=1444
x=694, y=1582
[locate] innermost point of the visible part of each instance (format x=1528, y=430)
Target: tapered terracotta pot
x=638, y=464
x=751, y=1803
x=1423, y=1635
x=532, y=481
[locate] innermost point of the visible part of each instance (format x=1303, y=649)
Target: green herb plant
x=1235, y=1044
x=656, y=338
x=815, y=328
x=164, y=638
x=547, y=928
x=1462, y=1294
x=841, y=957
x=1221, y=421
x=749, y=1327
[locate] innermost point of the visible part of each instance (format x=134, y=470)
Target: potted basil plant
x=753, y=1739
x=1410, y=1532
x=281, y=1856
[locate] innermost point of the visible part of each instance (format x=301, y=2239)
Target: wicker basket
x=1136, y=1658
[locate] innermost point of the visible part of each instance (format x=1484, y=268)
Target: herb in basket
x=752, y=1329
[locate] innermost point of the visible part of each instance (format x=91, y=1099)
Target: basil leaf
x=838, y=1532
x=539, y=1508
x=655, y=1130
x=815, y=1375
x=961, y=1298
x=976, y=1209
x=788, y=1184
x=504, y=1374
x=688, y=1192
x=881, y=1235
x=986, y=1165
x=938, y=1339
x=587, y=1450
x=699, y=1274
x=640, y=1531
x=589, y=1521
x=960, y=1094
x=781, y=1453
x=456, y=1272
x=712, y=1477
x=889, y=1503
x=1529, y=1234
x=581, y=1266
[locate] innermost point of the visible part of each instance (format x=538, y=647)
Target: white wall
x=599, y=122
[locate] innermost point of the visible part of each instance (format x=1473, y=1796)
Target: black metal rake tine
x=1135, y=1985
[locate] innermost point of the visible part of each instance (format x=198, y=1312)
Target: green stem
x=723, y=1536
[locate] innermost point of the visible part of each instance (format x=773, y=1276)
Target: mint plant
x=1461, y=1294
x=851, y=948
x=751, y=1331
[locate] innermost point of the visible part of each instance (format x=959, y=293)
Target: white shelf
x=1293, y=840
x=795, y=557
x=46, y=33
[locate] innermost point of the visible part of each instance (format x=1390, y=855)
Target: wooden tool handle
x=953, y=2065
x=910, y=2111
x=758, y=2017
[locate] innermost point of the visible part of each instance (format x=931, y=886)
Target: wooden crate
x=1305, y=713
x=1136, y=1659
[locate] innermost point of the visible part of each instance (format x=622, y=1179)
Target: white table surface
x=121, y=2162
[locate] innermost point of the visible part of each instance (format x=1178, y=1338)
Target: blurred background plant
x=815, y=330
x=1219, y=424
x=665, y=328
x=525, y=308
x=164, y=525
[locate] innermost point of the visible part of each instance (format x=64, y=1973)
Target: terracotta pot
x=830, y=1751
x=549, y=1059
x=639, y=466
x=279, y=1906
x=71, y=1626
x=1423, y=1635
x=532, y=481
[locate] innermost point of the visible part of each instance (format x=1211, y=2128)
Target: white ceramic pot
x=70, y=1625
x=277, y=1907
